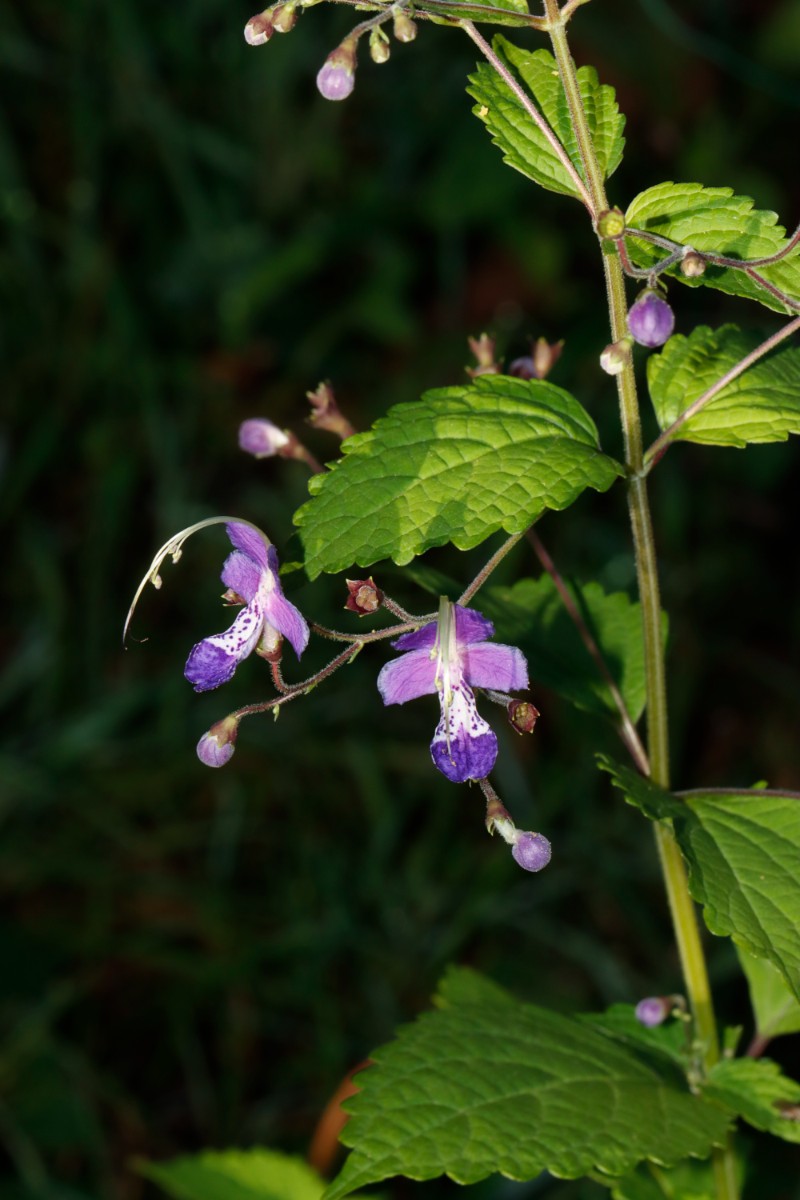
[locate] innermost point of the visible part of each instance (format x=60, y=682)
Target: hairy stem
x=486, y=570
x=682, y=910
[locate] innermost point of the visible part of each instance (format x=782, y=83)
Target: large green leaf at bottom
x=235, y=1175
x=761, y=405
x=455, y=466
x=513, y=131
x=743, y=853
x=489, y=1084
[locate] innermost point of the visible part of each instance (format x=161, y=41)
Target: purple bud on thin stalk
x=531, y=851
x=653, y=1010
x=216, y=747
x=260, y=437
x=336, y=77
x=650, y=319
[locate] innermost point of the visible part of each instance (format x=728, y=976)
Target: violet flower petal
x=408, y=677
x=242, y=575
x=464, y=746
x=471, y=626
x=213, y=661
x=418, y=639
x=251, y=542
x=282, y=615
x=492, y=665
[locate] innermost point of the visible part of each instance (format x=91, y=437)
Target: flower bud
x=364, y=596
x=336, y=76
x=484, y=350
x=522, y=715
x=216, y=747
x=539, y=363
x=404, y=29
x=259, y=437
x=531, y=851
x=693, y=264
x=259, y=29
x=326, y=414
x=650, y=319
x=616, y=357
x=653, y=1010
x=284, y=17
x=379, y=48
x=611, y=223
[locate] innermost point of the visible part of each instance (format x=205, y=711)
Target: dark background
x=193, y=236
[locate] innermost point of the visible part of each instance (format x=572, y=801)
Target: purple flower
x=251, y=572
x=260, y=437
x=336, y=77
x=216, y=747
x=451, y=656
x=653, y=1010
x=531, y=851
x=650, y=319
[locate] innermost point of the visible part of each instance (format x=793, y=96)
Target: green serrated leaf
x=483, y=1086
x=235, y=1175
x=761, y=405
x=775, y=1007
x=455, y=466
x=669, y=1039
x=757, y=1090
x=718, y=222
x=742, y=849
x=519, y=138
x=500, y=12
x=531, y=614
x=689, y=1180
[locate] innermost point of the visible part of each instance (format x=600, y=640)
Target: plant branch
x=485, y=571
x=627, y=729
x=533, y=112
x=662, y=443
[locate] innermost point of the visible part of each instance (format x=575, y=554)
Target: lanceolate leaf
x=761, y=405
x=498, y=12
x=456, y=466
x=716, y=221
x=531, y=614
x=775, y=1007
x=478, y=1087
x=235, y=1175
x=758, y=1091
x=742, y=849
x=517, y=135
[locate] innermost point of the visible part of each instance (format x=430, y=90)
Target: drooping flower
x=653, y=1010
x=251, y=573
x=217, y=745
x=450, y=656
x=650, y=319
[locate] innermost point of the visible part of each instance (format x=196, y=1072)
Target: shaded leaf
x=499, y=12
x=761, y=405
x=235, y=1175
x=517, y=135
x=742, y=849
x=757, y=1090
x=688, y=1180
x=774, y=1005
x=716, y=221
x=479, y=1086
x=455, y=466
x=668, y=1039
x=531, y=614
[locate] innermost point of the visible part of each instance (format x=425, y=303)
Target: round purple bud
x=650, y=319
x=260, y=437
x=216, y=747
x=531, y=851
x=336, y=77
x=653, y=1010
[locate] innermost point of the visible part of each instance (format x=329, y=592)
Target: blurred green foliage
x=192, y=236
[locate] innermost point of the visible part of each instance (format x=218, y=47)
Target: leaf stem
x=684, y=917
x=627, y=729
x=662, y=443
x=530, y=108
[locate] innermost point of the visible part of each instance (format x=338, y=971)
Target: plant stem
x=682, y=910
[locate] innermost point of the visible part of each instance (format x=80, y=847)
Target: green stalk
x=684, y=917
